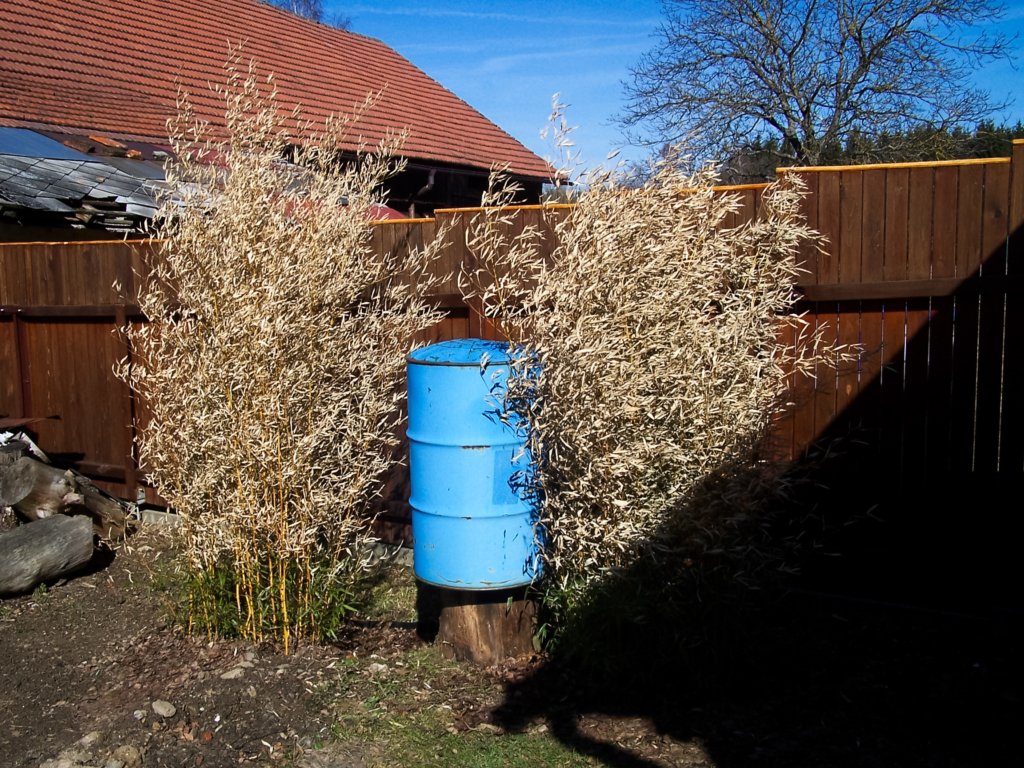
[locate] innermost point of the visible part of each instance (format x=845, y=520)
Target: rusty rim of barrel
x=466, y=347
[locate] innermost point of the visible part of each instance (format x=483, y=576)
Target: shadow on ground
x=820, y=682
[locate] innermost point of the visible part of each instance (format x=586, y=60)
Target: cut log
x=43, y=551
x=36, y=491
x=483, y=627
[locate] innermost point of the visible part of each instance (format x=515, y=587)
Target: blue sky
x=508, y=59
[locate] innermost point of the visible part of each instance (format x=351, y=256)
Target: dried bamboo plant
x=658, y=330
x=272, y=364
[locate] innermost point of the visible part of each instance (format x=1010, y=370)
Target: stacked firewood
x=63, y=517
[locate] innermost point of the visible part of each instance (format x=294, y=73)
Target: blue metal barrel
x=471, y=528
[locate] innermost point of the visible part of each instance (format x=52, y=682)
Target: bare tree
x=314, y=11
x=811, y=73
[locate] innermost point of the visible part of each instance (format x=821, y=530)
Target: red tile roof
x=112, y=66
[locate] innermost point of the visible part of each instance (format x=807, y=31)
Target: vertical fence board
x=804, y=385
x=848, y=372
x=944, y=223
x=783, y=428
x=825, y=383
x=995, y=219
x=891, y=394
x=919, y=224
x=965, y=360
x=829, y=226
x=869, y=401
x=897, y=182
x=969, y=204
x=915, y=395
x=940, y=377
x=991, y=319
x=873, y=227
x=807, y=257
x=8, y=363
x=851, y=199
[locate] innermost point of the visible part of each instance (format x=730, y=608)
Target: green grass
x=389, y=594
x=421, y=745
x=403, y=718
x=424, y=739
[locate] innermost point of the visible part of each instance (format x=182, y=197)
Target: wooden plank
x=970, y=201
x=873, y=227
x=26, y=405
x=995, y=218
x=1015, y=249
x=825, y=384
x=780, y=441
x=897, y=201
x=869, y=399
x=64, y=273
x=898, y=289
x=891, y=381
x=803, y=391
x=950, y=184
x=748, y=207
x=965, y=359
x=991, y=318
x=74, y=354
x=915, y=395
x=58, y=281
x=992, y=315
x=944, y=222
x=848, y=373
x=10, y=391
x=758, y=210
x=919, y=223
x=829, y=227
x=940, y=388
x=807, y=256
x=851, y=199
x=127, y=410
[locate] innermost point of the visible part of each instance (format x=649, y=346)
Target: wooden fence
x=921, y=269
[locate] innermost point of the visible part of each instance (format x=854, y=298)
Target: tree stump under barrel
x=486, y=627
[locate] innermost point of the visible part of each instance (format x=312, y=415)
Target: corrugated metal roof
x=25, y=143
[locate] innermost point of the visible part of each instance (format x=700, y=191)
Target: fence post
x=127, y=412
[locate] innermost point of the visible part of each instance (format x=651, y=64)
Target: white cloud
x=441, y=12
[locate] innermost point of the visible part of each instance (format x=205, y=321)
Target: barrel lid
x=461, y=352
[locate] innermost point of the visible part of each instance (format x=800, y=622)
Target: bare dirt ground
x=93, y=673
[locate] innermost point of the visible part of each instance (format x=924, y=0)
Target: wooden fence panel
x=909, y=272
x=1011, y=432
x=70, y=369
